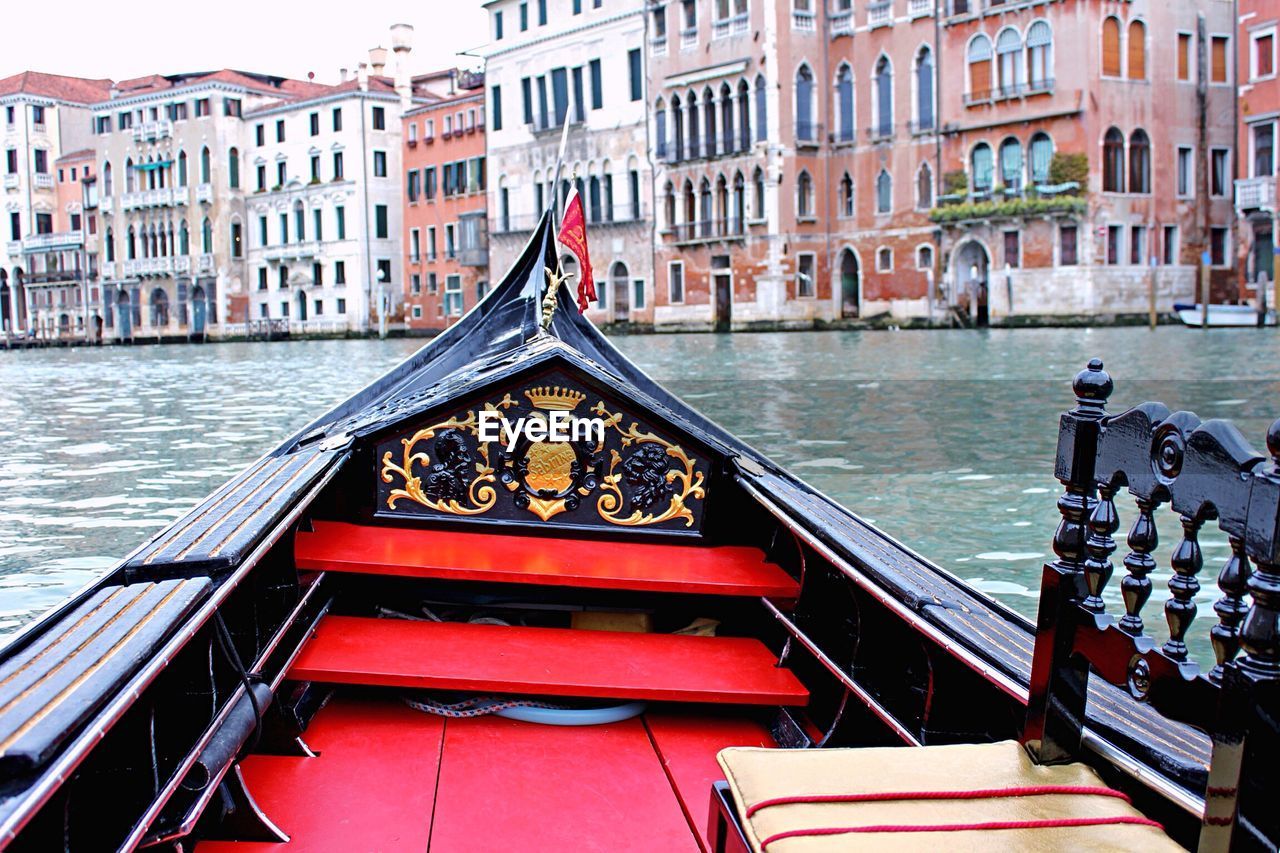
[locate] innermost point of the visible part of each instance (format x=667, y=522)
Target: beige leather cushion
x=756, y=775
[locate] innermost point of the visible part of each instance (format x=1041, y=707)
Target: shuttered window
x=1218, y=60
x=980, y=67
x=1111, y=47
x=1184, y=56
x=1137, y=50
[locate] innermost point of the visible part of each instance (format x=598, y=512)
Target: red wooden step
x=545, y=661
x=500, y=558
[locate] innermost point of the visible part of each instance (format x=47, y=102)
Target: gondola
x=388, y=634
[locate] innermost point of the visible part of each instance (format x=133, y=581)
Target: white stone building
x=549, y=61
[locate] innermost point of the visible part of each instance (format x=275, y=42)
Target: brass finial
x=554, y=280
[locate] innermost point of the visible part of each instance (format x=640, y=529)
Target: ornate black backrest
x=1205, y=472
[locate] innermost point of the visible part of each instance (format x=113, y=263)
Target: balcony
x=841, y=23
x=919, y=8
x=11, y=181
x=108, y=269
x=179, y=195
x=803, y=21
x=204, y=264
x=204, y=193
x=293, y=251
x=53, y=277
x=63, y=240
x=107, y=204
x=147, y=267
x=146, y=198
x=473, y=257
x=43, y=181
x=13, y=248
x=808, y=134
x=734, y=26
x=153, y=130
x=182, y=265
x=707, y=230
x=1256, y=193
x=39, y=127
x=880, y=132
x=689, y=38
x=658, y=45
x=880, y=15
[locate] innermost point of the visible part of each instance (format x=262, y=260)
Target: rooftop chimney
x=342, y=75
x=362, y=76
x=401, y=45
x=378, y=60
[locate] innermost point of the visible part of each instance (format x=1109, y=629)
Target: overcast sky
x=90, y=38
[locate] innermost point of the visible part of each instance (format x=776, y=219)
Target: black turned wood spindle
x=1231, y=608
x=1100, y=545
x=1260, y=632
x=1092, y=387
x=1139, y=562
x=1180, y=609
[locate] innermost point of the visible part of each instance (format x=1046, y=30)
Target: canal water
x=943, y=439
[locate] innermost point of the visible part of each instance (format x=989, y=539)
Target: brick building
x=1259, y=99
x=445, y=227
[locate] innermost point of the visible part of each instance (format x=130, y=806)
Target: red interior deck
x=721, y=570
x=391, y=778
x=546, y=661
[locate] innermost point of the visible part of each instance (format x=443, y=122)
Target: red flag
x=573, y=236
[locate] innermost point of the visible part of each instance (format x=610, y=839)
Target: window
x=805, y=128
x=804, y=196
x=844, y=104
x=637, y=74
x=924, y=187
x=337, y=119
x=1011, y=164
x=340, y=277
x=497, y=26
x=231, y=107
x=1218, y=246
x=884, y=97
x=980, y=169
x=846, y=196
x=1169, y=245
x=205, y=165
x=262, y=278
x=762, y=108
x=597, y=85
x=261, y=177
x=979, y=67
x=524, y=17
x=315, y=168
x=1040, y=55
x=806, y=274
x=884, y=259
x=284, y=228
x=637, y=296
x=633, y=179
x=379, y=118
x=757, y=182
x=15, y=227
x=1111, y=47
x=317, y=277
x=1139, y=162
x=42, y=161
x=280, y=130
x=1184, y=56
x=124, y=120
x=1009, y=55
x=379, y=164
x=1219, y=174
x=1114, y=236
x=1218, y=59
x=317, y=223
x=431, y=242
x=542, y=13
x=380, y=221
x=577, y=7
x=433, y=284
x=1137, y=50
x=675, y=282
x=412, y=185
x=206, y=236
x=453, y=292
x=1262, y=55
x=1137, y=244
x=202, y=108
x=924, y=89
x=884, y=192
x=924, y=257
x=1263, y=138
x=233, y=168
x=11, y=162
x=1113, y=161
x=260, y=134
x=495, y=107
x=340, y=214
x=429, y=183
x=282, y=173
x=1186, y=170
x=337, y=165
x=237, y=241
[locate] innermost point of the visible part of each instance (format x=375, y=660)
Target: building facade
x=46, y=280
x=446, y=243
x=1259, y=104
x=582, y=62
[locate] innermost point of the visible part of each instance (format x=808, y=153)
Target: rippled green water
x=943, y=439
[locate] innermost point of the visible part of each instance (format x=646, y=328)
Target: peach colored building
x=446, y=242
x=1259, y=100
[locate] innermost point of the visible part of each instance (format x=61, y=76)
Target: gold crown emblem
x=555, y=399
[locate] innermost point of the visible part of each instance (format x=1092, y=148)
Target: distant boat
x=1244, y=316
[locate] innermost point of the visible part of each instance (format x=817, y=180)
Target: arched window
x=129, y=176
x=107, y=185
x=1041, y=157
x=924, y=187
x=299, y=222
x=1137, y=50
x=184, y=239
x=804, y=194
x=233, y=168
x=110, y=247
x=805, y=128
x=1139, y=162
x=206, y=236
x=884, y=259
x=131, y=244
x=695, y=149
x=660, y=128
x=762, y=110
x=726, y=117
x=1040, y=55
x=1011, y=164
x=677, y=129
x=150, y=177
x=709, y=117
x=1009, y=54
x=690, y=210
x=846, y=196
x=722, y=206
x=924, y=257
x=744, y=115
x=757, y=181
x=182, y=168
x=884, y=97
x=924, y=89
x=1113, y=161
x=618, y=280
x=1111, y=47
x=594, y=211
x=204, y=165
x=669, y=204
x=980, y=169
x=704, y=207
x=979, y=67
x=844, y=103
x=739, y=213
x=884, y=192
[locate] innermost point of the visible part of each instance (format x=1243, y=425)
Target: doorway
x=722, y=288
x=125, y=313
x=197, y=311
x=850, y=284
x=301, y=299
x=618, y=283
x=1264, y=262
x=969, y=273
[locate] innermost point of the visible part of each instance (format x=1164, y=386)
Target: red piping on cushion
x=962, y=827
x=981, y=794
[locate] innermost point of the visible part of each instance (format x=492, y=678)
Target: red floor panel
x=722, y=570
x=371, y=788
x=506, y=785
x=545, y=661
x=687, y=742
